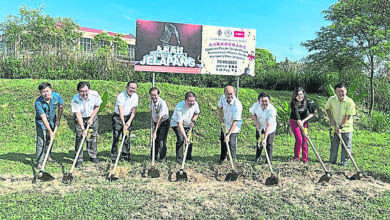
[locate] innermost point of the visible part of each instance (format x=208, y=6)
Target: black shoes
x=94, y=160
x=79, y=164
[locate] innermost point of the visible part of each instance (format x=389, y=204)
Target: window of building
x=86, y=44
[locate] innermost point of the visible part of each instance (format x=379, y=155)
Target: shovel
x=273, y=179
x=42, y=175
x=111, y=176
x=233, y=175
x=181, y=175
x=358, y=174
x=153, y=172
x=68, y=177
x=326, y=177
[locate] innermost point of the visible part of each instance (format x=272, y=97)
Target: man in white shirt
x=125, y=110
x=264, y=115
x=183, y=119
x=160, y=116
x=229, y=112
x=85, y=106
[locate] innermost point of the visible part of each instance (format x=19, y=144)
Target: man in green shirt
x=340, y=110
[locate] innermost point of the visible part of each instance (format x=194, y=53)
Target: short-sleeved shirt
x=301, y=111
x=231, y=112
x=85, y=106
x=49, y=109
x=340, y=109
x=159, y=109
x=127, y=102
x=183, y=113
x=264, y=116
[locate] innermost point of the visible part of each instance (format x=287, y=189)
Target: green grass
x=136, y=197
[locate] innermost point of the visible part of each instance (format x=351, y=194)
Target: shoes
x=94, y=160
x=79, y=164
x=39, y=166
x=163, y=160
x=51, y=160
x=257, y=159
x=222, y=161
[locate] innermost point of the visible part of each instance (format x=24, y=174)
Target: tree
x=359, y=30
x=33, y=31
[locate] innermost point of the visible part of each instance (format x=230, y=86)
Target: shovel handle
x=118, y=154
x=185, y=151
x=48, y=150
x=227, y=146
x=78, y=151
x=349, y=153
x=316, y=153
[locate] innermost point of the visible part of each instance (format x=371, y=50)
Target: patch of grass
x=204, y=197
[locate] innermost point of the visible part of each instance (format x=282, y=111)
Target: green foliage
x=283, y=116
x=377, y=122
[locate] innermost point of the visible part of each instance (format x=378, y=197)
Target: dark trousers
x=232, y=145
x=269, y=145
x=91, y=141
x=42, y=143
x=160, y=144
x=179, y=145
x=117, y=131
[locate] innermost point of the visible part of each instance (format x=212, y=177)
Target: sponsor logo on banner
x=239, y=34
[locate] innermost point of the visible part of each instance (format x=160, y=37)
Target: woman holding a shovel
x=302, y=109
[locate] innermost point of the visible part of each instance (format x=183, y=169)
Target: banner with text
x=188, y=48
x=168, y=47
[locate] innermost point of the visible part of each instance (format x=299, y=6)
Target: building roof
x=97, y=31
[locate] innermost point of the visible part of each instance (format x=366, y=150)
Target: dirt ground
x=293, y=177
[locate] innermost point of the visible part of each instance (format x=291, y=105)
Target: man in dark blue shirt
x=46, y=119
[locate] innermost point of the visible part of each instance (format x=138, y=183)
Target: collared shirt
x=340, y=109
x=49, y=109
x=231, y=112
x=159, y=109
x=183, y=113
x=127, y=102
x=86, y=106
x=264, y=116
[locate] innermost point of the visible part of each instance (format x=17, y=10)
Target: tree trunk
x=371, y=85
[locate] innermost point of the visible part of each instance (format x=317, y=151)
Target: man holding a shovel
x=46, y=119
x=160, y=117
x=183, y=120
x=85, y=106
x=264, y=115
x=125, y=109
x=340, y=110
x=229, y=113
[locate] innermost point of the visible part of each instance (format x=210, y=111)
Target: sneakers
x=51, y=160
x=94, y=160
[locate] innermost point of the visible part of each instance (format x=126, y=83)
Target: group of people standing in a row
x=86, y=104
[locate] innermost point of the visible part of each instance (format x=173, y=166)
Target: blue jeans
x=334, y=148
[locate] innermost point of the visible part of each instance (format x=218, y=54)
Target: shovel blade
x=45, y=176
x=356, y=176
x=272, y=180
x=153, y=172
x=67, y=179
x=112, y=177
x=181, y=176
x=232, y=176
x=325, y=178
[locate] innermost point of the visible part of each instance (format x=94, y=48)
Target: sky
x=281, y=25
